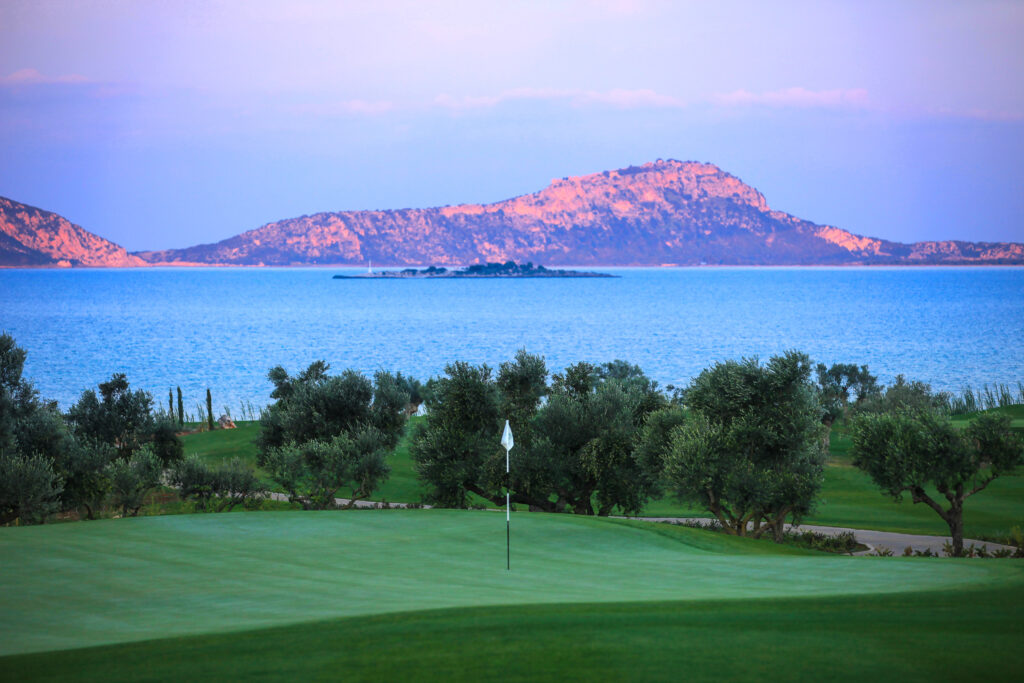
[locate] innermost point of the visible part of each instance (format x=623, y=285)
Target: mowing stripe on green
x=76, y=585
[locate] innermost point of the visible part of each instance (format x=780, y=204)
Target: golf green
x=115, y=581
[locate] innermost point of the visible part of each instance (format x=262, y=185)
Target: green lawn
x=423, y=594
x=848, y=497
x=912, y=637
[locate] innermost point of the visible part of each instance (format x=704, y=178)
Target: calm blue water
x=224, y=328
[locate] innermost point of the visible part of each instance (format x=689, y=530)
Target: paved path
x=341, y=502
x=873, y=539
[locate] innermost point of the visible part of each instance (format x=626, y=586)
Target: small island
x=507, y=269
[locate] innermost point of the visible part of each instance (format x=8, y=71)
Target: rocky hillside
x=33, y=237
x=661, y=213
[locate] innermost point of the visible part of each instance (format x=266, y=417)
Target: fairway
x=76, y=585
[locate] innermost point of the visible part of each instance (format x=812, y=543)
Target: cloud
x=619, y=98
x=34, y=77
x=801, y=98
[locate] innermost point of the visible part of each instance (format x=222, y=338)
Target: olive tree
x=132, y=479
x=117, y=416
x=328, y=432
x=591, y=428
x=219, y=488
x=313, y=472
x=913, y=451
x=573, y=452
x=455, y=448
x=750, y=452
x=842, y=385
x=32, y=435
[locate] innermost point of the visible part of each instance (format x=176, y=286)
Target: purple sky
x=169, y=124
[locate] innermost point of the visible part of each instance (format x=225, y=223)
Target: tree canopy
x=916, y=451
x=326, y=432
x=572, y=452
x=750, y=450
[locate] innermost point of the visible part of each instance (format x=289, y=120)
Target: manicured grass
x=974, y=635
x=223, y=444
x=76, y=585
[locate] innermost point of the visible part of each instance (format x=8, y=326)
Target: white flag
x=506, y=437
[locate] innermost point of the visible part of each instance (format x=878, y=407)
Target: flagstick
x=508, y=516
x=507, y=441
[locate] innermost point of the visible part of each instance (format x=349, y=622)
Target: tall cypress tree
x=170, y=403
x=209, y=409
x=181, y=410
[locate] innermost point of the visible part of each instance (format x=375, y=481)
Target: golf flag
x=506, y=437
x=506, y=441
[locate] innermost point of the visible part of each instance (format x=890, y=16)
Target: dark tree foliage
x=591, y=428
x=316, y=406
x=388, y=412
x=86, y=469
x=456, y=449
x=313, y=472
x=117, y=416
x=751, y=451
x=654, y=442
x=32, y=435
x=326, y=432
x=181, y=410
x=904, y=395
x=209, y=409
x=912, y=450
x=133, y=478
x=29, y=488
x=217, y=489
x=844, y=384
x=167, y=446
x=573, y=452
x=413, y=387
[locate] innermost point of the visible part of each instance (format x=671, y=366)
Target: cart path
x=875, y=540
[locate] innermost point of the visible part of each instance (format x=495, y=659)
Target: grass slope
x=76, y=585
x=909, y=637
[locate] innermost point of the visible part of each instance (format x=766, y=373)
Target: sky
x=168, y=124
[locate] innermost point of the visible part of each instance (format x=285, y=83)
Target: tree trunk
x=582, y=507
x=779, y=529
x=955, y=520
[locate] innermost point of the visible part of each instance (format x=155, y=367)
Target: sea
x=224, y=328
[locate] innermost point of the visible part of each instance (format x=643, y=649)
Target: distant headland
x=478, y=270
x=663, y=213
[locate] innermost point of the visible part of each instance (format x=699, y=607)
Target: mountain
x=33, y=237
x=661, y=213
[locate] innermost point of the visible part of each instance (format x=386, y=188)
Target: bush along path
x=876, y=541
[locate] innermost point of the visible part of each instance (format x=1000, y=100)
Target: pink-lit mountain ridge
x=660, y=213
